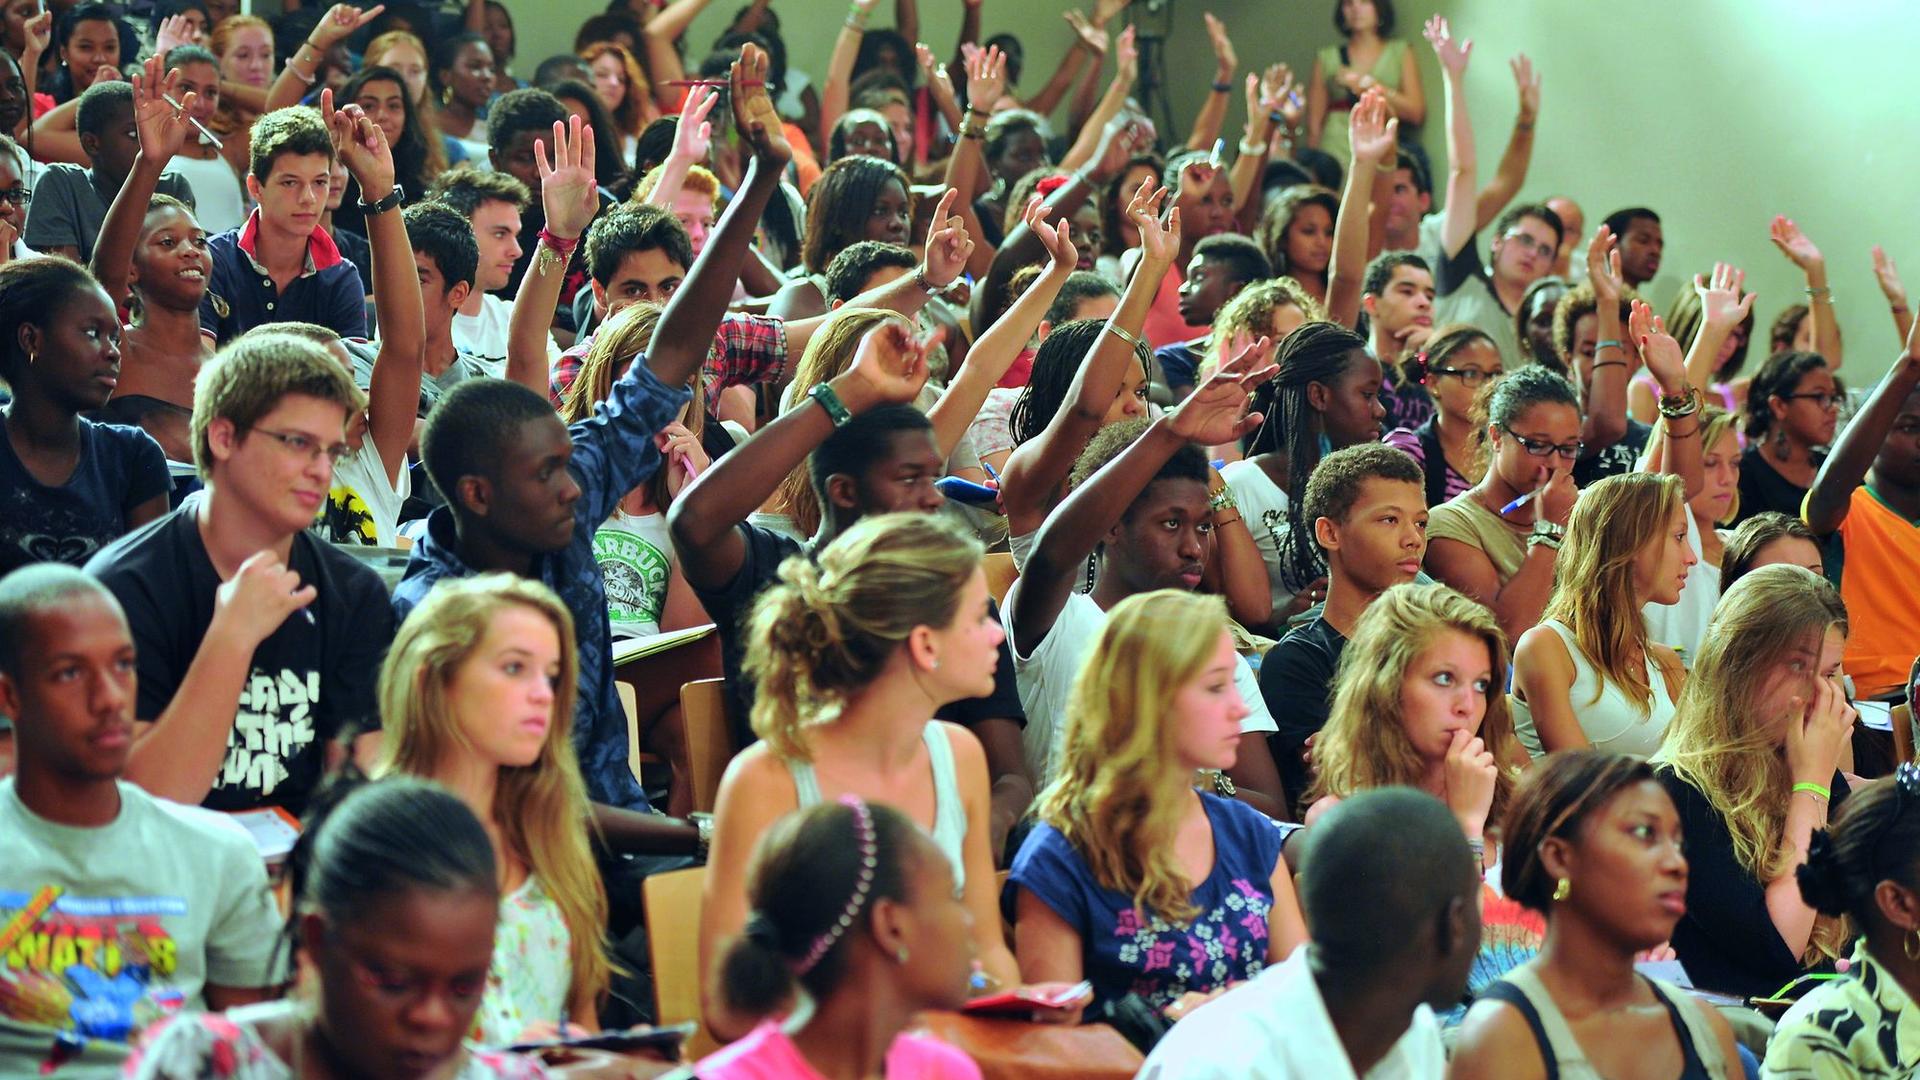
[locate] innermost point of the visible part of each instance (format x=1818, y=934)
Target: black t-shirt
x=1296, y=681
x=1726, y=940
x=1612, y=460
x=311, y=682
x=1762, y=488
x=729, y=606
x=120, y=467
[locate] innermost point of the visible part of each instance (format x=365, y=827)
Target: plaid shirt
x=747, y=349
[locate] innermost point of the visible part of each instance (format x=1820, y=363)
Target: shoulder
x=1668, y=660
x=1542, y=644
x=1408, y=440
x=1320, y=808
x=126, y=560
x=1495, y=1040
x=192, y=823
x=926, y=1056
x=61, y=175
x=969, y=757
x=751, y=779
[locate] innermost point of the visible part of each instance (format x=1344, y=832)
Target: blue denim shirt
x=613, y=453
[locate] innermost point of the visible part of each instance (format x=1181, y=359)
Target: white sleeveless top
x=949, y=813
x=1612, y=723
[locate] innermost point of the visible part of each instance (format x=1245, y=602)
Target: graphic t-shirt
x=363, y=506
x=635, y=557
x=119, y=467
x=105, y=930
x=311, y=681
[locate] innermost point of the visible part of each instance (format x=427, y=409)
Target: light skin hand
x=986, y=78
x=1888, y=276
x=1722, y=304
x=1794, y=244
x=694, y=133
x=567, y=189
x=1471, y=774
x=341, y=21
x=1527, y=82
x=1225, y=61
x=259, y=596
x=161, y=128
x=1159, y=241
x=1453, y=54
x=1373, y=130
x=1664, y=359
x=1603, y=267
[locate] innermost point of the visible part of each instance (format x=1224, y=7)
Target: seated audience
x=1752, y=762
x=855, y=907
x=1793, y=409
x=70, y=203
x=1130, y=864
x=1387, y=949
x=1454, y=368
x=124, y=907
x=493, y=203
x=1396, y=296
x=515, y=122
x=1862, y=867
x=1221, y=266
x=856, y=198
x=1595, y=846
x=852, y=654
x=394, y=887
x=1533, y=322
x=1765, y=539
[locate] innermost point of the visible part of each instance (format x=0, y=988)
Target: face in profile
x=1207, y=710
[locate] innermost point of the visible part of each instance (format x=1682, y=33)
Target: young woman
x=477, y=694
x=463, y=72
x=1589, y=674
x=497, y=27
x=623, y=88
x=219, y=198
x=1793, y=407
x=1487, y=542
x=72, y=486
x=87, y=39
x=610, y=170
x=1015, y=145
x=1116, y=231
x=1866, y=867
x=1683, y=624
x=854, y=904
x=1595, y=846
x=1456, y=365
x=381, y=92
x=1365, y=59
x=862, y=133
x=856, y=198
x=1296, y=232
x=243, y=45
x=1752, y=762
x=851, y=656
x=1766, y=539
x=1130, y=864
x=402, y=52
x=397, y=898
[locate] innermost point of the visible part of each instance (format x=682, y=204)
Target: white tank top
x=1613, y=723
x=949, y=813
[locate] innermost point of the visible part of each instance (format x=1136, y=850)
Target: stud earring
x=1563, y=890
x=900, y=954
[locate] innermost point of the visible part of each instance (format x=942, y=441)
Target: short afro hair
x=1244, y=260
x=32, y=589
x=468, y=426
x=849, y=272
x=99, y=105
x=1380, y=270
x=438, y=231
x=1335, y=483
x=633, y=228
x=519, y=111
x=863, y=442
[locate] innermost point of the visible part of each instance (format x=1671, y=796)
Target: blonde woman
x=1589, y=674
x=477, y=694
x=1752, y=763
x=851, y=655
x=1417, y=703
x=1135, y=880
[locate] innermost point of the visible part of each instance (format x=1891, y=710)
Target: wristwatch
x=386, y=203
x=1546, y=532
x=703, y=824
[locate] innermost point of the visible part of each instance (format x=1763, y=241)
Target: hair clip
x=1418, y=367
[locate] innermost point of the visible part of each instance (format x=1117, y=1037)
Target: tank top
x=949, y=813
x=1613, y=723
x=1561, y=1052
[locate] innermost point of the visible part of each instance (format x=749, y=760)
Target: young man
x=281, y=266
x=1397, y=296
x=1140, y=499
x=515, y=121
x=1387, y=949
x=1368, y=507
x=1526, y=240
x=117, y=907
x=492, y=202
x=1221, y=266
x=1641, y=243
x=1573, y=222
x=442, y=268
x=70, y=203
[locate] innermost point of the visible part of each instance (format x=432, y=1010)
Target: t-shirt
x=1277, y=1028
x=1726, y=940
x=224, y=1046
x=1046, y=676
x=1263, y=506
x=1123, y=951
x=1464, y=520
x=109, y=929
x=219, y=200
x=363, y=506
x=484, y=336
x=311, y=682
x=1180, y=361
x=119, y=468
x=636, y=561
x=768, y=1053
x=1622, y=456
x=1296, y=682
x=70, y=203
x=1762, y=488
x=1878, y=583
x=1467, y=296
x=1861, y=1026
x=989, y=432
x=463, y=367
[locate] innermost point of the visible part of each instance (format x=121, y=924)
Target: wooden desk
x=1020, y=1050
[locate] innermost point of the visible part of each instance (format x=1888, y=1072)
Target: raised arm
x=1681, y=432
x=1269, y=94
x=302, y=69
x=692, y=136
x=939, y=85
x=1723, y=305
x=1086, y=146
x=1097, y=43
x=1511, y=173
x=1888, y=275
x=967, y=166
x=906, y=19
x=969, y=37
x=846, y=49
x=1213, y=110
x=1050, y=95
x=56, y=135
x=1457, y=221
x=162, y=131
x=1855, y=449
x=569, y=198
x=1805, y=254
x=1605, y=419
x=1374, y=135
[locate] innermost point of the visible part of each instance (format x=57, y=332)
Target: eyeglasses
x=1820, y=401
x=1528, y=243
x=306, y=446
x=1470, y=376
x=1571, y=451
x=16, y=196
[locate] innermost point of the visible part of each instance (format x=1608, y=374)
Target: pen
x=992, y=474
x=308, y=612
x=1521, y=501
x=208, y=135
x=1219, y=156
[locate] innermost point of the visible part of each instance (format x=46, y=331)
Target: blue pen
x=992, y=474
x=1521, y=501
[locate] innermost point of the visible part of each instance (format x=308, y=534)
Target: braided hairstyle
x=1317, y=352
x=1055, y=365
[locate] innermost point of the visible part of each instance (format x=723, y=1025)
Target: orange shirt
x=1880, y=582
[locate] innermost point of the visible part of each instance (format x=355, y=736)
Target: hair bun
x=1822, y=879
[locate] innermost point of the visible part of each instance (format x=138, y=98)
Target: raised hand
x=1373, y=129
x=1092, y=37
x=259, y=596
x=890, y=366
x=1216, y=412
x=1794, y=244
x=1105, y=11
x=1055, y=238
x=1471, y=776
x=1722, y=304
x=1817, y=727
x=948, y=245
x=173, y=32
x=340, y=21
x=1280, y=93
x=1888, y=275
x=1453, y=54
x=1225, y=61
x=1603, y=267
x=162, y=129
x=939, y=83
x=753, y=113
x=1126, y=54
x=39, y=34
x=1527, y=82
x=1159, y=240
x=1664, y=358
x=1118, y=142
x=360, y=145
x=986, y=78
x=693, y=135
x=568, y=193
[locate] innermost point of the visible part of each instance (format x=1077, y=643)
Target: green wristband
x=1820, y=791
x=830, y=401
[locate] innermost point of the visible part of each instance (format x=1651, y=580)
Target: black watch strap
x=391, y=200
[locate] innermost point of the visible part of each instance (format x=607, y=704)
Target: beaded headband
x=862, y=886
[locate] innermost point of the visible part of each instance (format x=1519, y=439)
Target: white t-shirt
x=219, y=200
x=1046, y=682
x=1275, y=1027
x=1263, y=506
x=1684, y=625
x=636, y=561
x=363, y=506
x=484, y=336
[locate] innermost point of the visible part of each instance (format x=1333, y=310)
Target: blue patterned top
x=1124, y=953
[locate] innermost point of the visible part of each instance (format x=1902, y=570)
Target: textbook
x=632, y=649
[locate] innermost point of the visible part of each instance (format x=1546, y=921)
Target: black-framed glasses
x=1470, y=376
x=307, y=446
x=1539, y=448
x=1820, y=400
x=17, y=196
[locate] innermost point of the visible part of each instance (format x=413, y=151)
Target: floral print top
x=1125, y=952
x=216, y=1046
x=532, y=971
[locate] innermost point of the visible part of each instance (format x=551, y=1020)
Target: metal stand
x=1152, y=20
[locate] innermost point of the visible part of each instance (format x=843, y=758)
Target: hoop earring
x=1563, y=890
x=1911, y=944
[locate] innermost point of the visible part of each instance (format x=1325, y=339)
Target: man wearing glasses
x=1526, y=240
x=15, y=197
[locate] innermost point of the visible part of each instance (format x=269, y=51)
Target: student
x=1387, y=949
x=219, y=198
x=1793, y=408
x=444, y=260
x=515, y=121
x=1862, y=1024
x=1752, y=763
x=127, y=906
x=1370, y=522
x=1221, y=266
x=1868, y=493
x=1203, y=197
x=493, y=203
x=477, y=694
x=1593, y=347
x=70, y=203
x=1141, y=502
x=1533, y=322
x=856, y=198
x=1641, y=243
x=1595, y=847
x=1683, y=624
x=1397, y=297
x=1128, y=860
x=1085, y=296
x=1766, y=539
x=394, y=887
x=258, y=641
x=888, y=625
x=68, y=486
x=1454, y=368
x=853, y=905
x=1589, y=674
x=280, y=265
